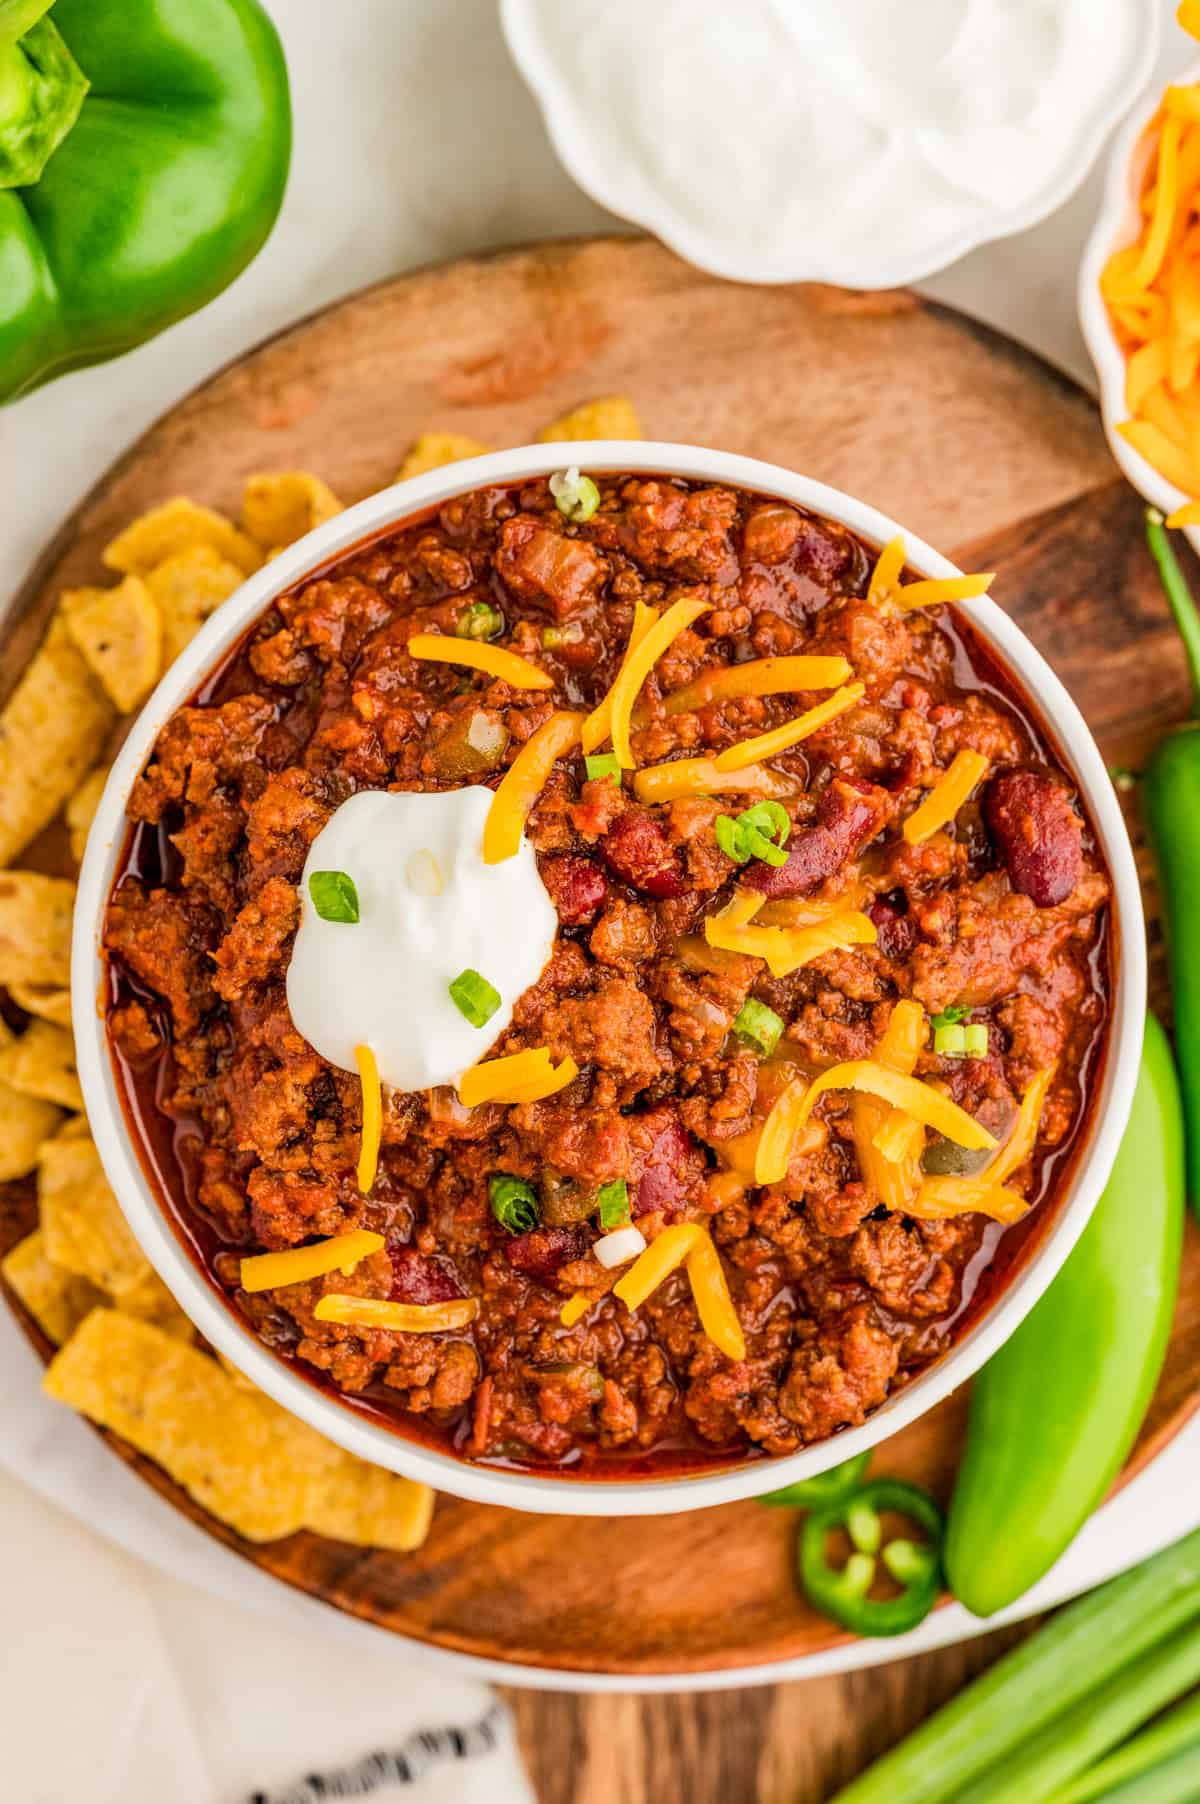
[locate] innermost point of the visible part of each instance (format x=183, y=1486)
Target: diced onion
x=619, y=1247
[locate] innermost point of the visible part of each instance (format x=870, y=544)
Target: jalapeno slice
x=916, y=1566
x=826, y=1488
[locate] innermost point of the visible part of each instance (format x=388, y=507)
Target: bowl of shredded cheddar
x=1139, y=296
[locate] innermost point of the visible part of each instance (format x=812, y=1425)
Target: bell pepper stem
x=1179, y=597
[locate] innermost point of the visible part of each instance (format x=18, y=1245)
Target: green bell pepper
x=144, y=148
x=1056, y=1410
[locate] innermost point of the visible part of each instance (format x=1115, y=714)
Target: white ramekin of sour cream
x=860, y=142
x=149, y=1219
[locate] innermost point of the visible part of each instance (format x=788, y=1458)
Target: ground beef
x=1002, y=912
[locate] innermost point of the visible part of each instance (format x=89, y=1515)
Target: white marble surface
x=416, y=142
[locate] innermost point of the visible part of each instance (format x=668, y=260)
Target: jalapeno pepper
x=1171, y=809
x=1056, y=1410
x=844, y=1592
x=824, y=1489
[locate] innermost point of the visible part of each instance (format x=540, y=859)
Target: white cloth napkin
x=213, y=1684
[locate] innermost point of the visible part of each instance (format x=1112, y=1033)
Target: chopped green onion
x=479, y=620
x=759, y=832
x=948, y=1016
x=603, y=764
x=514, y=1202
x=976, y=1037
x=1122, y=777
x=950, y=1042
x=334, y=896
x=575, y=496
x=614, y=1204
x=554, y=636
x=759, y=1024
x=474, y=997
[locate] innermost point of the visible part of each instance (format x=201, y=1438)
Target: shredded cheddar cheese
x=372, y=1117
x=661, y=1258
x=1151, y=288
x=700, y=777
x=900, y=1139
x=714, y=1305
x=946, y=797
x=517, y=672
x=920, y=1100
x=598, y=725
x=761, y=676
x=523, y=782
x=403, y=1318
x=774, y=1152
x=940, y=1197
x=931, y=590
x=780, y=739
x=574, y=1309
x=893, y=1181
x=889, y=566
x=340, y=1253
x=517, y=1077
x=686, y=1243
x=637, y=667
x=786, y=949
x=1020, y=1143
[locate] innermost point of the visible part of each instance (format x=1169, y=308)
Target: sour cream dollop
x=429, y=909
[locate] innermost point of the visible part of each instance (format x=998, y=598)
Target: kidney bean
x=577, y=887
x=543, y=1251
x=1037, y=833
x=416, y=1278
x=636, y=847
x=893, y=924
x=666, y=1161
x=847, y=817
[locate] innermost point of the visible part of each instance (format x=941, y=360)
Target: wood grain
x=974, y=444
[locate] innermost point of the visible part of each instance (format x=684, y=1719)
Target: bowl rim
x=872, y=268
x=324, y=1412
x=1112, y=229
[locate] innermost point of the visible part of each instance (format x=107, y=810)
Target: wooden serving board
x=966, y=438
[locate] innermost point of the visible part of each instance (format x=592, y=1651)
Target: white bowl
x=218, y=1323
x=745, y=97
x=1116, y=224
